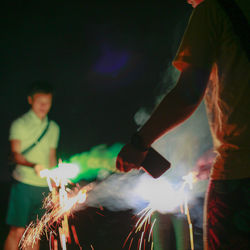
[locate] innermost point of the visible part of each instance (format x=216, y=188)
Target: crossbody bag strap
x=37, y=141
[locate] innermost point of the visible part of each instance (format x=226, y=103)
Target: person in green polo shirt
x=29, y=189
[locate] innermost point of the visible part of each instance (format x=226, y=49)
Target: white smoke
x=184, y=145
x=135, y=191
x=169, y=79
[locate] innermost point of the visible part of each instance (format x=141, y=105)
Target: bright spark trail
x=179, y=198
x=59, y=204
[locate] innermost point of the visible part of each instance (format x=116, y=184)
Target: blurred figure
x=214, y=62
x=33, y=139
x=204, y=165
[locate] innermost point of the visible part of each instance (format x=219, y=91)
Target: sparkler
x=189, y=180
x=62, y=200
x=150, y=191
x=59, y=205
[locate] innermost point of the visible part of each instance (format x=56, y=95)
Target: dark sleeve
x=198, y=45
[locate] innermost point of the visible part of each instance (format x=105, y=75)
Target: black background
x=105, y=59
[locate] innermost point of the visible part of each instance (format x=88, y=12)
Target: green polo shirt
x=28, y=129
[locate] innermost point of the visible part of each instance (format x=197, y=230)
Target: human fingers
x=119, y=164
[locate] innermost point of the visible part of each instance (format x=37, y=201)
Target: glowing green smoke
x=99, y=158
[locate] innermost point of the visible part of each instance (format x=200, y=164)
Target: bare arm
x=52, y=157
x=177, y=106
x=20, y=159
x=16, y=154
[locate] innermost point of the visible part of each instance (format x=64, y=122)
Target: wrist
x=138, y=142
x=33, y=165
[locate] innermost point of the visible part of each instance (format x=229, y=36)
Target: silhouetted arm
x=175, y=108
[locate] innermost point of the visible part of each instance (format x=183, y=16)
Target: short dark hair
x=40, y=87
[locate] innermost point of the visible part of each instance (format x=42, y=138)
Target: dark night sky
x=106, y=60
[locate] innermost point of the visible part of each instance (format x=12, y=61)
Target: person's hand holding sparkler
x=132, y=154
x=130, y=158
x=137, y=154
x=38, y=168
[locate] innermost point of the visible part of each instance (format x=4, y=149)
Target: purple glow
x=111, y=62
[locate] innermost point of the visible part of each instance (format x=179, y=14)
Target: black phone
x=155, y=164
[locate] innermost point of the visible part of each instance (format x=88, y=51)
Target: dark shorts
x=227, y=215
x=25, y=204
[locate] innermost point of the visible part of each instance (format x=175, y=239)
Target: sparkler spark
x=175, y=198
x=142, y=225
x=59, y=204
x=54, y=215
